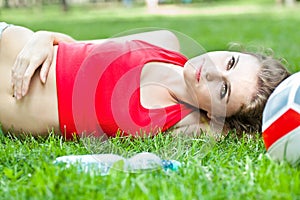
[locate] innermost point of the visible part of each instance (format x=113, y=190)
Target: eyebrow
x=229, y=85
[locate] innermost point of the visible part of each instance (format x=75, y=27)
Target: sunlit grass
x=230, y=169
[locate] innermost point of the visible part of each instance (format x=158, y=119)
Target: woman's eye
x=230, y=63
x=223, y=90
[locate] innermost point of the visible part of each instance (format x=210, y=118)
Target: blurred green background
x=212, y=23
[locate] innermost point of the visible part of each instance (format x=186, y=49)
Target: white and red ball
x=281, y=121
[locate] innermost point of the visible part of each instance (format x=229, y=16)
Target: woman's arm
x=162, y=38
x=37, y=52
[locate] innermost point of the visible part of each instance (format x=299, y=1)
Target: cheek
x=205, y=97
x=232, y=109
x=212, y=90
x=212, y=101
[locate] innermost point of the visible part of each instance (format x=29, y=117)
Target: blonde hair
x=249, y=118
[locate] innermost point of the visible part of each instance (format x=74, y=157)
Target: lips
x=198, y=73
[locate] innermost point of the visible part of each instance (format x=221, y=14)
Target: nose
x=212, y=75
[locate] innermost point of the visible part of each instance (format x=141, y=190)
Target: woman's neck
x=162, y=85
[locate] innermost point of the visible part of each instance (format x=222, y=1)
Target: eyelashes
x=224, y=89
x=231, y=63
x=225, y=85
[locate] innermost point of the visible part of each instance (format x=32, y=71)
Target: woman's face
x=221, y=82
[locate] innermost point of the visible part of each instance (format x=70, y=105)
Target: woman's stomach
x=37, y=112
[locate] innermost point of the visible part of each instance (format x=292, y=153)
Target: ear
x=212, y=117
x=216, y=123
x=209, y=115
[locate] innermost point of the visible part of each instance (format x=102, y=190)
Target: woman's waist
x=39, y=104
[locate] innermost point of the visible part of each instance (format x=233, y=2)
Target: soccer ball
x=281, y=121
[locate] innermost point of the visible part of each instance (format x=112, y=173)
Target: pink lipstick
x=198, y=74
x=198, y=71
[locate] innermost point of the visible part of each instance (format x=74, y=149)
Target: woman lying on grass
x=137, y=84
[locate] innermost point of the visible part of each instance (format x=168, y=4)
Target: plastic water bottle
x=102, y=163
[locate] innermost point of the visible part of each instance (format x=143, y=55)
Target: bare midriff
x=37, y=112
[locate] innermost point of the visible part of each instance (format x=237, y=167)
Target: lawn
x=229, y=169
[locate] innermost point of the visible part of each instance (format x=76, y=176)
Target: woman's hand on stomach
x=37, y=52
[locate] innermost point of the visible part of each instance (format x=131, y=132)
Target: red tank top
x=98, y=89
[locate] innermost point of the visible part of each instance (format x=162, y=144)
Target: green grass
x=229, y=169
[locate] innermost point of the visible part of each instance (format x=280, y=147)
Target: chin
x=189, y=76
